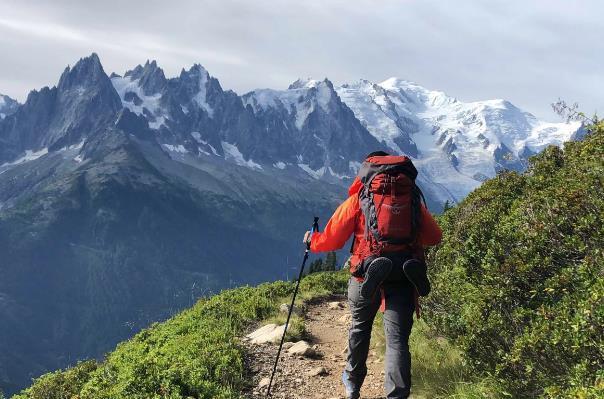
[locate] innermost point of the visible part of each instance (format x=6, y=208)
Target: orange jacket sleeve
x=429, y=233
x=339, y=228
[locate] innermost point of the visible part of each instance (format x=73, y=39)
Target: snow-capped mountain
x=455, y=145
x=311, y=128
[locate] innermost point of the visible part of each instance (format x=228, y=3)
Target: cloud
x=528, y=52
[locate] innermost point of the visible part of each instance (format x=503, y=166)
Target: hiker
x=391, y=225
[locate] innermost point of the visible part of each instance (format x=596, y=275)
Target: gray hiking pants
x=398, y=320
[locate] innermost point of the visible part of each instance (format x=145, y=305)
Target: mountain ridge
x=322, y=129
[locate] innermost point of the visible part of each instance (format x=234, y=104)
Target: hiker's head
x=377, y=154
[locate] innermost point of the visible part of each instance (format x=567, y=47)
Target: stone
x=287, y=345
x=268, y=333
x=264, y=382
x=335, y=305
x=317, y=371
x=301, y=348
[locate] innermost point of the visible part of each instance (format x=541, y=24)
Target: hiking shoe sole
x=375, y=275
x=417, y=273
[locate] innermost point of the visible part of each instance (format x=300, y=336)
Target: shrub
x=518, y=280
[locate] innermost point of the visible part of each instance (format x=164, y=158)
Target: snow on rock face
x=314, y=173
x=134, y=98
x=7, y=106
x=301, y=98
x=372, y=105
x=145, y=91
x=232, y=153
x=201, y=97
x=28, y=156
x=175, y=148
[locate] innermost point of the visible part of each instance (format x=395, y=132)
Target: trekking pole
x=315, y=227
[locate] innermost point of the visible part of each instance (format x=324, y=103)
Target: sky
x=530, y=52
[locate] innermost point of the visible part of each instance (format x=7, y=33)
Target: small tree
x=315, y=266
x=330, y=264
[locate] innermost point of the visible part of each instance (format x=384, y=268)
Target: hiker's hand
x=307, y=237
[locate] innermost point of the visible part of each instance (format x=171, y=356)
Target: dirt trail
x=327, y=326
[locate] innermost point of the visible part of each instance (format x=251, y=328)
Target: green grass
x=438, y=368
x=196, y=354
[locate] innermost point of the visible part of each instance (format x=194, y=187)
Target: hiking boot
x=417, y=273
x=376, y=273
x=351, y=391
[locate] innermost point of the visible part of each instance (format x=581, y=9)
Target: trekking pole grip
x=315, y=227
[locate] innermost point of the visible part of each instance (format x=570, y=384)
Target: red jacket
x=349, y=219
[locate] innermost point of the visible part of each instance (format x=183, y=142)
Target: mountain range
x=123, y=198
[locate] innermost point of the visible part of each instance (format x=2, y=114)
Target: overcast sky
x=528, y=51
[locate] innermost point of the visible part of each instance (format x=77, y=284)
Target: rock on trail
x=312, y=368
x=267, y=333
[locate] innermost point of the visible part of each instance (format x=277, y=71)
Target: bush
x=60, y=384
x=518, y=280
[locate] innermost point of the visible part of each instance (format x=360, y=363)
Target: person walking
x=386, y=213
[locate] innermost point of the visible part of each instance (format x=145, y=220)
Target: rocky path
x=317, y=373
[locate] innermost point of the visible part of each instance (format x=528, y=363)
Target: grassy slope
x=196, y=353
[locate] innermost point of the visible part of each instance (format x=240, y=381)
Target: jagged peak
x=7, y=100
x=86, y=70
x=150, y=68
x=150, y=77
x=195, y=70
x=8, y=106
x=91, y=62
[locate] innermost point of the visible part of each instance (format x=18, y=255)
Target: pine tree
x=330, y=264
x=315, y=266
